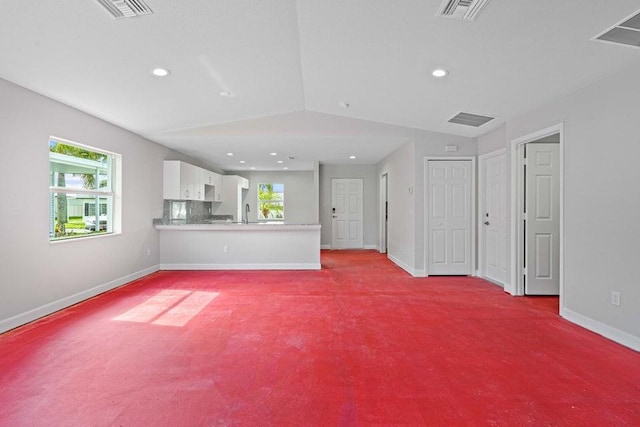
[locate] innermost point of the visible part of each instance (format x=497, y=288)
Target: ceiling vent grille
x=462, y=9
x=125, y=8
x=626, y=32
x=469, y=119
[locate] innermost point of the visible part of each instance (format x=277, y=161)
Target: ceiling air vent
x=469, y=119
x=626, y=32
x=462, y=9
x=125, y=8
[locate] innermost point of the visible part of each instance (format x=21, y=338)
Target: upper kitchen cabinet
x=213, y=186
x=182, y=181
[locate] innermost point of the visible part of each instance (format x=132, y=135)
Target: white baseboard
x=402, y=265
x=290, y=266
x=376, y=247
x=52, y=307
x=614, y=334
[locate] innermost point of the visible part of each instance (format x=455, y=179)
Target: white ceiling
x=290, y=63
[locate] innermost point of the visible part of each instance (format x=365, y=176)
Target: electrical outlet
x=148, y=251
x=615, y=298
x=225, y=249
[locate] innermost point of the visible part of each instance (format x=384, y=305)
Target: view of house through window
x=80, y=184
x=270, y=202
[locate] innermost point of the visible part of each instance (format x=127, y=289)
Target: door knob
x=486, y=223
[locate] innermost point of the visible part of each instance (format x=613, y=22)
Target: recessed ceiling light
x=285, y=168
x=252, y=167
x=160, y=72
x=225, y=94
x=229, y=154
x=344, y=105
x=274, y=154
x=242, y=161
x=280, y=161
x=352, y=157
x=439, y=72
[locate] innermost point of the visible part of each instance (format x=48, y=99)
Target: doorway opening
x=537, y=214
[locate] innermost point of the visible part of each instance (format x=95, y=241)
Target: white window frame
x=112, y=192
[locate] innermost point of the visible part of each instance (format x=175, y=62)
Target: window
x=81, y=183
x=270, y=202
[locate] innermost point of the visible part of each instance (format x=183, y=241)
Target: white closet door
x=495, y=218
x=542, y=219
x=449, y=217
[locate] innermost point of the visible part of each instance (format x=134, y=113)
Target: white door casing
x=347, y=214
x=515, y=284
x=384, y=212
x=493, y=217
x=449, y=206
x=542, y=219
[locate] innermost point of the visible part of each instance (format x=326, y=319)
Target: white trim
x=376, y=247
x=516, y=285
x=384, y=199
x=621, y=337
x=270, y=266
x=427, y=159
x=52, y=307
x=404, y=266
x=325, y=247
x=482, y=191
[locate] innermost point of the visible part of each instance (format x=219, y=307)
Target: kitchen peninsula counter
x=220, y=245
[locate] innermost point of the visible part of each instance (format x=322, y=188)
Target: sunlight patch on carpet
x=170, y=307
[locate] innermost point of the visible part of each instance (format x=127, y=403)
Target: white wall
x=400, y=169
x=36, y=276
x=492, y=141
x=370, y=200
x=601, y=200
x=299, y=194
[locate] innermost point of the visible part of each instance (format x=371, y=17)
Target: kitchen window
x=270, y=202
x=82, y=181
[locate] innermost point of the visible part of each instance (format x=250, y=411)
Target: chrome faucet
x=246, y=213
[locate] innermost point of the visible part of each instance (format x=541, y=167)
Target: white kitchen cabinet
x=213, y=186
x=182, y=181
x=218, y=187
x=177, y=180
x=199, y=176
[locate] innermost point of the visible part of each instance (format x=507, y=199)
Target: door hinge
x=524, y=271
x=525, y=162
x=524, y=216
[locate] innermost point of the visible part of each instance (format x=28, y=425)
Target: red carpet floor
x=358, y=343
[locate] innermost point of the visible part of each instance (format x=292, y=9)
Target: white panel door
x=542, y=219
x=449, y=217
x=494, y=218
x=346, y=224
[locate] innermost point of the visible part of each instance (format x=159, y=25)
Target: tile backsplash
x=190, y=211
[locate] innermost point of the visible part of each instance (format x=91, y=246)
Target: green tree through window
x=79, y=177
x=270, y=202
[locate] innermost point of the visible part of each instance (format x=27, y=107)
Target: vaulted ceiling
x=290, y=64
